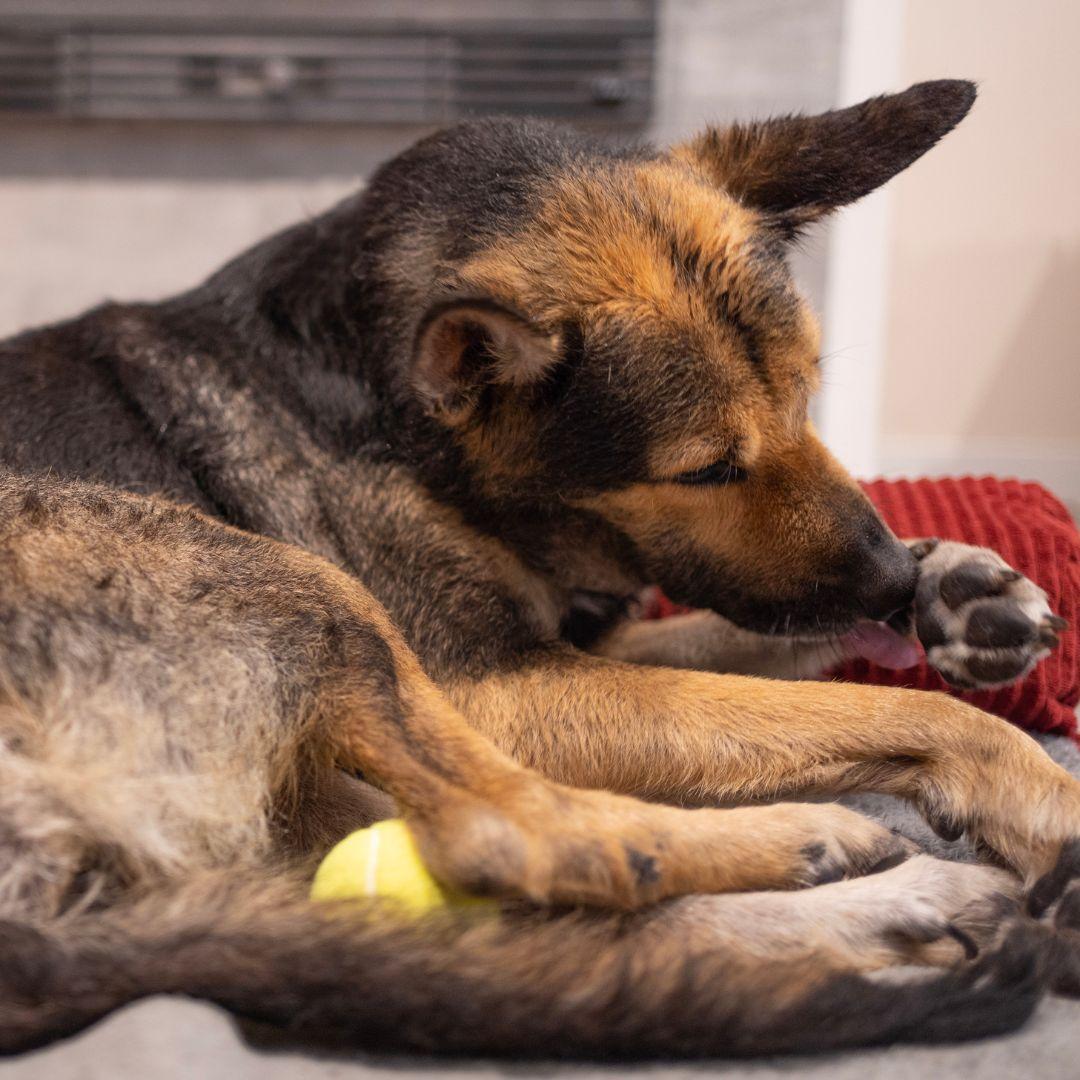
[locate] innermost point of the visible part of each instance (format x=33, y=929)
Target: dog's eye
x=720, y=472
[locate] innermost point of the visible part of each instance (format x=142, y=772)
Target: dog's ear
x=463, y=345
x=796, y=169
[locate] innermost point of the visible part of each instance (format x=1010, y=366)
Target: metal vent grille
x=367, y=73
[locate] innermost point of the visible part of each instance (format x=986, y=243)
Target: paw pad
x=981, y=622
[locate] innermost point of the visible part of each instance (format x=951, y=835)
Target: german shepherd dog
x=351, y=530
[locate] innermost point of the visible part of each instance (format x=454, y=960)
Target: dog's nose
x=885, y=572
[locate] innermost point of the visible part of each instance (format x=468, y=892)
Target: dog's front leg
x=703, y=641
x=685, y=736
x=489, y=825
x=982, y=624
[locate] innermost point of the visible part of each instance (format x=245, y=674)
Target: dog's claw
x=921, y=548
x=1067, y=916
x=1052, y=886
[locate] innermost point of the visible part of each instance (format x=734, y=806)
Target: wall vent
x=366, y=71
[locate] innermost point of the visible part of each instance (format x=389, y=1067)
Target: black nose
x=884, y=570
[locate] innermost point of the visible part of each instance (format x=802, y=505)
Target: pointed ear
x=798, y=168
x=463, y=345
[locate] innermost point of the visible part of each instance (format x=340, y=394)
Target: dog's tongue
x=880, y=644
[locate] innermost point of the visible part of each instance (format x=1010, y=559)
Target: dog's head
x=629, y=341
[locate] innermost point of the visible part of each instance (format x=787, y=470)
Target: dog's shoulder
x=67, y=405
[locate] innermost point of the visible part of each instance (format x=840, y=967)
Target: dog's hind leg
x=757, y=973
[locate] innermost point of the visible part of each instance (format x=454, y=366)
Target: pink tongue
x=882, y=645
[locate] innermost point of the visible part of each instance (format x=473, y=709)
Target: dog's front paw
x=836, y=843
x=982, y=623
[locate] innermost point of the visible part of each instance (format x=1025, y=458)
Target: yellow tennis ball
x=384, y=861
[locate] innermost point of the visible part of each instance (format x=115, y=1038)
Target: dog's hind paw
x=1055, y=898
x=982, y=623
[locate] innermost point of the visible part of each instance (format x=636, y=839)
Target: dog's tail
x=581, y=986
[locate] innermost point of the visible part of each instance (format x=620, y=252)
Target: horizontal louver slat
x=369, y=74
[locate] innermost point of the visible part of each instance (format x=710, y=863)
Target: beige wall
x=983, y=362
x=70, y=243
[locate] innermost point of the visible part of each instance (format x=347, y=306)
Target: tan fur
x=701, y=738
x=592, y=255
